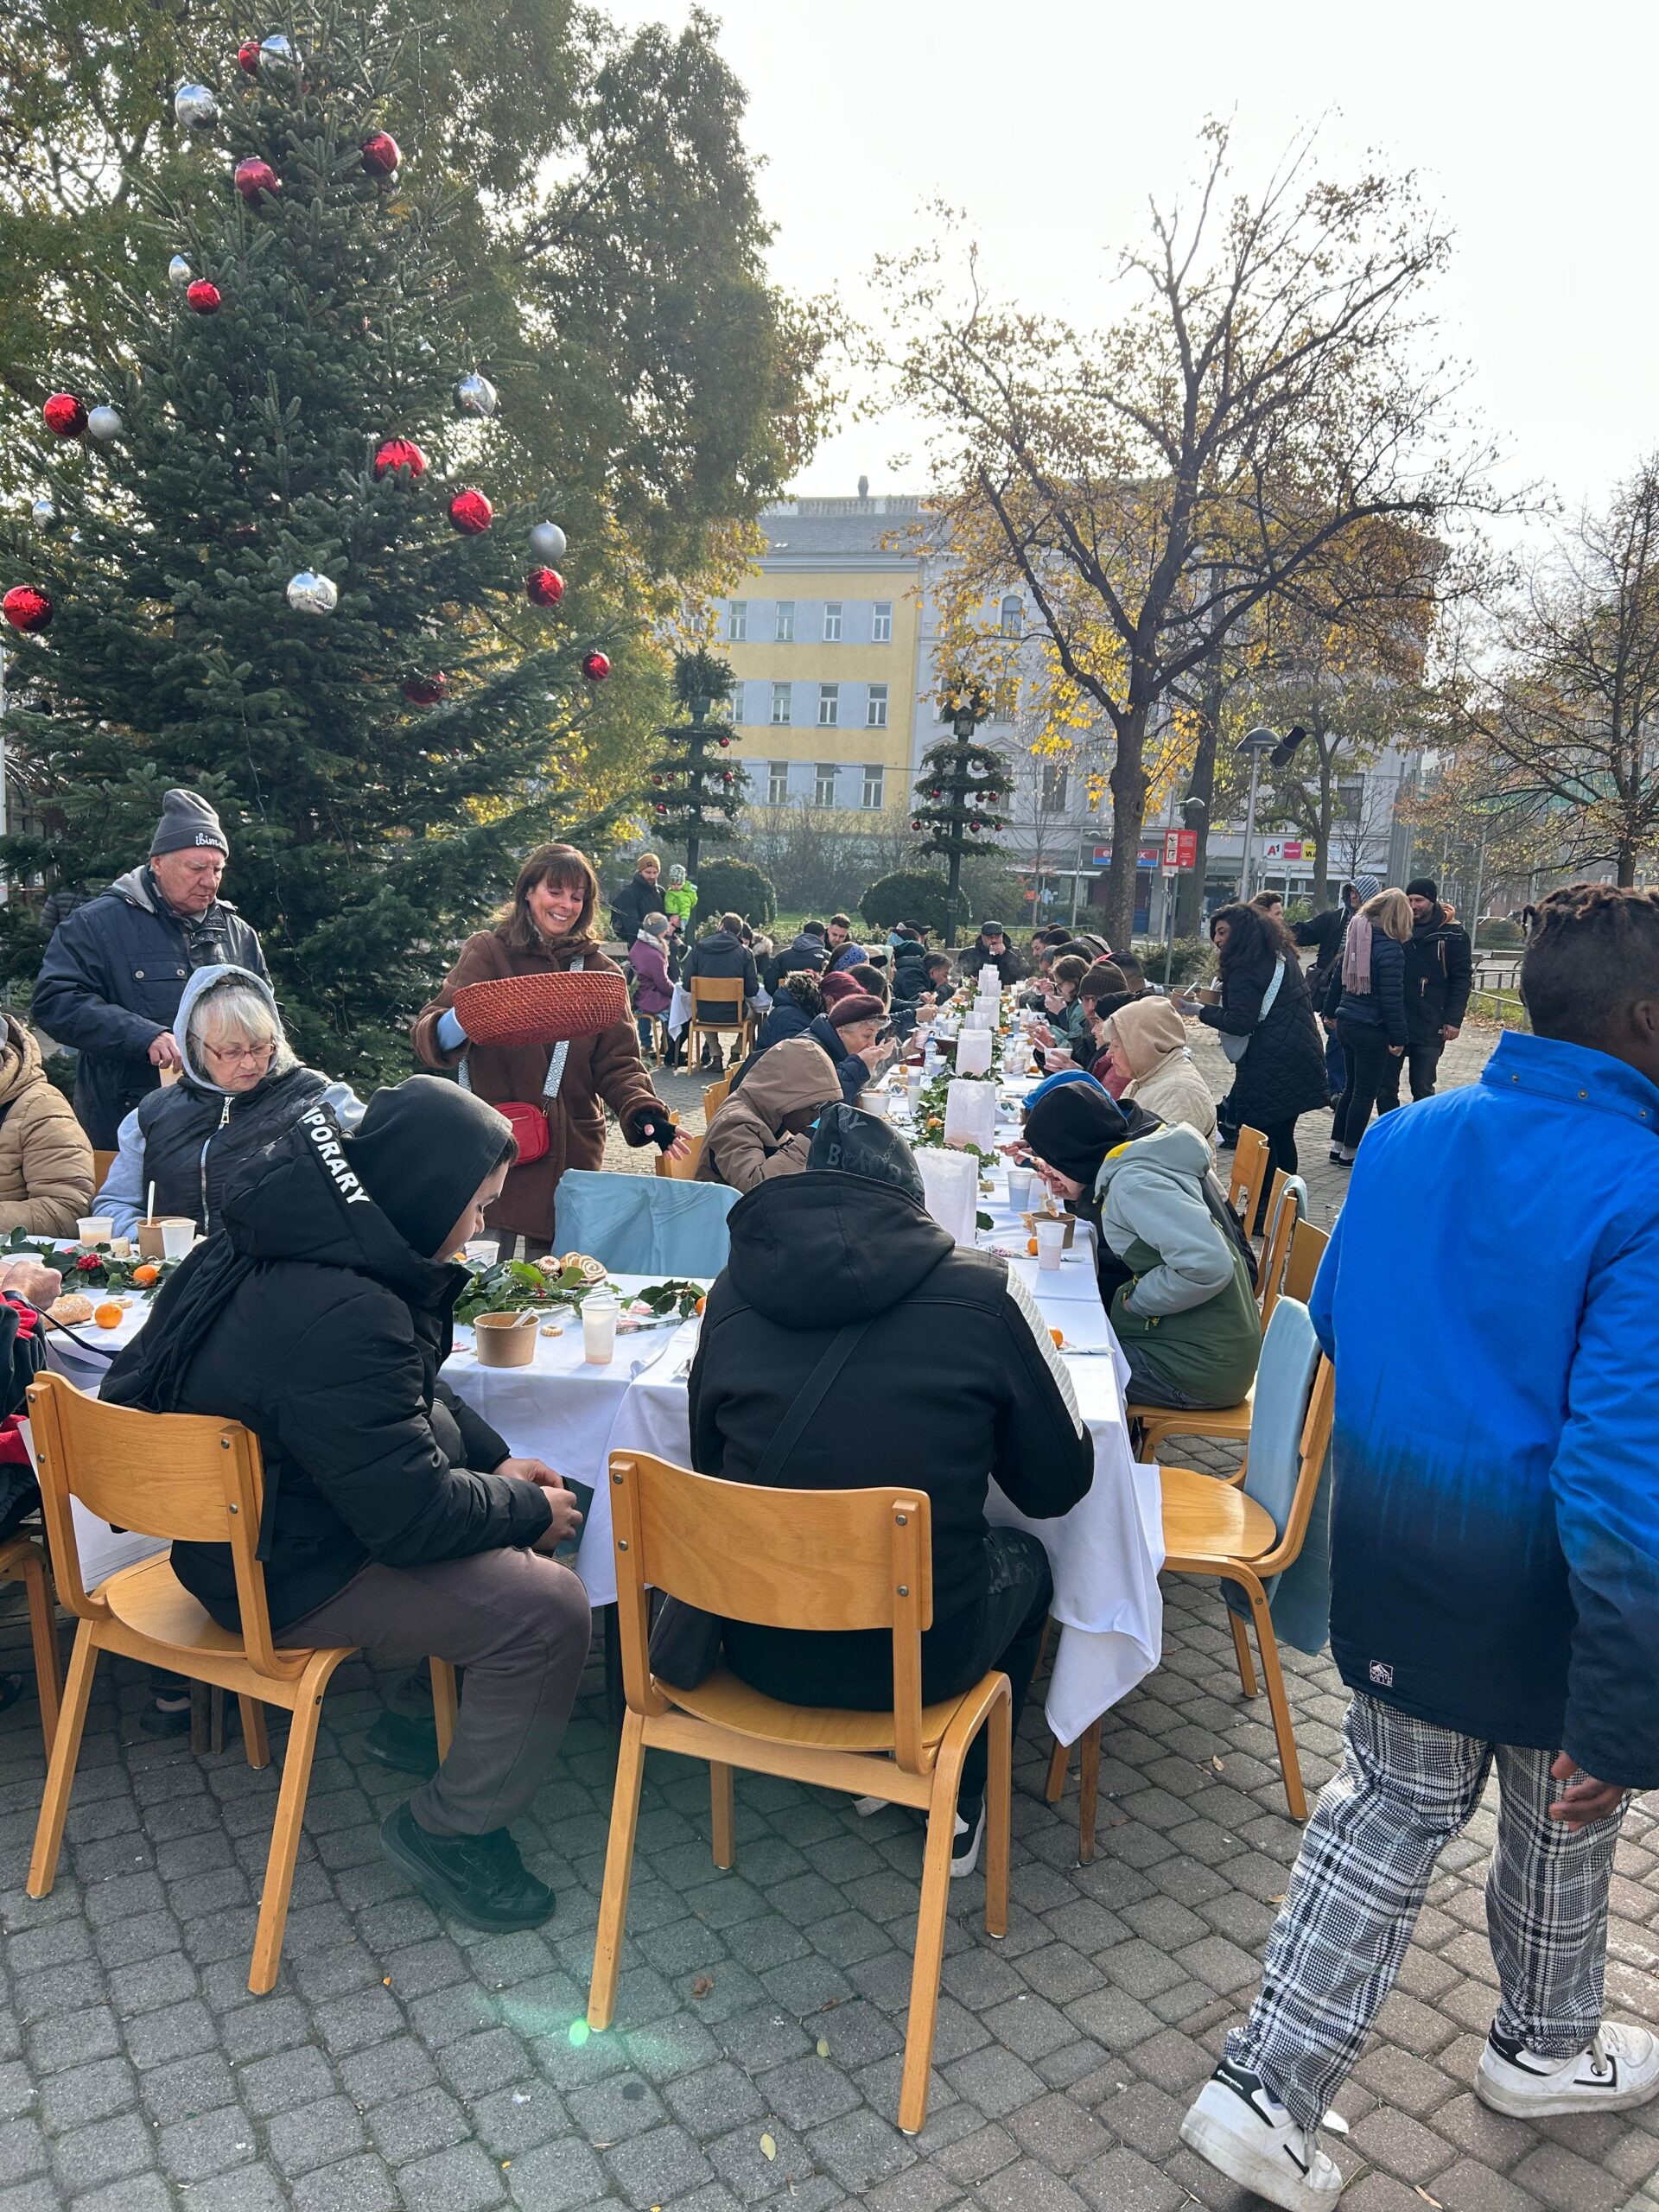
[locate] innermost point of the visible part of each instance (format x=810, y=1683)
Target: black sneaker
x=404, y=1740
x=479, y=1878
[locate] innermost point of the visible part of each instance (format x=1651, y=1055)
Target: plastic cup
x=95, y=1228
x=913, y=1088
x=1050, y=1243
x=177, y=1237
x=482, y=1251
x=599, y=1330
x=1020, y=1182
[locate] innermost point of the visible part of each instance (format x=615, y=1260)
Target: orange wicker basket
x=540, y=1009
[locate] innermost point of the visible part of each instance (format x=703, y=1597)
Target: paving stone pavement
x=403, y=2063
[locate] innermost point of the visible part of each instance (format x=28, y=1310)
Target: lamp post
x=1256, y=742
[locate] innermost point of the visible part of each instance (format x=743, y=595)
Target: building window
x=875, y=707
x=1349, y=798
x=786, y=632
x=735, y=706
x=737, y=621
x=832, y=621
x=828, y=705
x=1054, y=782
x=823, y=784
x=780, y=698
x=881, y=622
x=1012, y=618
x=873, y=775
x=777, y=783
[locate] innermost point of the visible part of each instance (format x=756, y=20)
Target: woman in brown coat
x=546, y=927
x=46, y=1160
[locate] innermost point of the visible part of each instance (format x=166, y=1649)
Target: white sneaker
x=1236, y=2125
x=1619, y=2067
x=964, y=1853
x=865, y=1805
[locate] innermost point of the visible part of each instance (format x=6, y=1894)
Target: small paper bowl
x=1070, y=1220
x=505, y=1340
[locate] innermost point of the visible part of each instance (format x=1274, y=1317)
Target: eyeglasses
x=253, y=1054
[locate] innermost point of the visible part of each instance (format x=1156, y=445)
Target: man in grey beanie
x=110, y=985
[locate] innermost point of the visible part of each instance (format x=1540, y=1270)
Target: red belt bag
x=529, y=1125
x=529, y=1122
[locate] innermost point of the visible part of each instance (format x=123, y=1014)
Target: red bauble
x=661, y=809
x=381, y=154
x=544, y=586
x=400, y=453
x=426, y=691
x=251, y=178
x=25, y=608
x=725, y=744
x=247, y=56
x=595, y=666
x=471, y=513
x=66, y=416
x=205, y=298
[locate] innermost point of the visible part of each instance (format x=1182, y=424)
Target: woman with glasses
x=240, y=1086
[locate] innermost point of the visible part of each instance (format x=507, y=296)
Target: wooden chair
x=1287, y=1207
x=1307, y=1250
x=717, y=1012
x=681, y=1171
x=195, y=1480
x=658, y=1025
x=1248, y=1176
x=102, y=1163
x=22, y=1561
x=806, y=1560
x=715, y=1096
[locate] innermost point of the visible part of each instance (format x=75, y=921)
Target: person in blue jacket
x=1494, y=1558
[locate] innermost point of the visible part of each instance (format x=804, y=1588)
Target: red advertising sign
x=1180, y=848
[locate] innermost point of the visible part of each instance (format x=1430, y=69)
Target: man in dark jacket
x=991, y=949
x=848, y=1244
x=636, y=898
x=722, y=956
x=110, y=985
x=1326, y=932
x=842, y=947
x=910, y=970
x=1494, y=1562
x=395, y=1517
x=808, y=950
x=1439, y=968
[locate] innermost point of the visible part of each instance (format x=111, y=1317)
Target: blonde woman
x=1367, y=999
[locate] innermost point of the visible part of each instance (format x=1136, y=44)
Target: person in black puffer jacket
x=1439, y=972
x=850, y=1242
x=1367, y=998
x=809, y=950
x=796, y=1007
x=1280, y=1072
x=395, y=1518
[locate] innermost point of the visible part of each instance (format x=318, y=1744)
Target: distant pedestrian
x=1325, y=931
x=1367, y=998
x=1440, y=969
x=1266, y=1031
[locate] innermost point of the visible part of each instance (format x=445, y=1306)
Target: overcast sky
x=1049, y=122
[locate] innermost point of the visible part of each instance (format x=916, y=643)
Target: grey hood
x=203, y=979
x=1151, y=1192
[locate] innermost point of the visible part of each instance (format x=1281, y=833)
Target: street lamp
x=1256, y=742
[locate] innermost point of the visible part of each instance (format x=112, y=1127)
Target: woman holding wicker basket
x=537, y=1020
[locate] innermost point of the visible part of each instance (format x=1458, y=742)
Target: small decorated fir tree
x=960, y=793
x=696, y=787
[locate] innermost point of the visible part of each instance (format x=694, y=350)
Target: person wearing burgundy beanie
x=847, y=1030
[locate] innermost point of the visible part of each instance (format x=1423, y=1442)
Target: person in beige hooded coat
x=762, y=1130
x=45, y=1159
x=1148, y=1042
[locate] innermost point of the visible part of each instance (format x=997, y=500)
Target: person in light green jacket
x=680, y=897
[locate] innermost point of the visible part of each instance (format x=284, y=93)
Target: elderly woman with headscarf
x=1183, y=1308
x=1145, y=1042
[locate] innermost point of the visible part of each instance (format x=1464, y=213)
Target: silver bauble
x=475, y=395
x=310, y=593
x=43, y=515
x=195, y=107
x=278, y=54
x=179, y=273
x=547, y=541
x=105, y=424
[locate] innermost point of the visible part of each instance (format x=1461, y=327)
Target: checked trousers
x=1404, y=1791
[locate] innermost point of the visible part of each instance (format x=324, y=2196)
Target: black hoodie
x=316, y=1323
x=955, y=1382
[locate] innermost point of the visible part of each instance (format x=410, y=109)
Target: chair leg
x=616, y=1696
x=999, y=1794
x=1042, y=1647
x=444, y=1705
x=43, y=1634
x=255, y=1741
x=201, y=1722
x=619, y=1872
x=61, y=1768
x=930, y=1949
x=1242, y=1648
x=1280, y=1706
x=284, y=1836
x=1088, y=1792
x=721, y=1814
x=1054, y=1787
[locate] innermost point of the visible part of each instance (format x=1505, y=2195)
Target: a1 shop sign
x=1286, y=849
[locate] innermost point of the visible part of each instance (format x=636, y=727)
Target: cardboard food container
x=505, y=1340
x=150, y=1234
x=1031, y=1221
x=1208, y=994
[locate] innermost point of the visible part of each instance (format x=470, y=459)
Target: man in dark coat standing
x=1439, y=968
x=722, y=956
x=116, y=969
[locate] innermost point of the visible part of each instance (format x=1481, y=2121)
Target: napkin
x=951, y=1183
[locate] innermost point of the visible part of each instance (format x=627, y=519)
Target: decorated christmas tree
x=267, y=562
x=960, y=793
x=696, y=787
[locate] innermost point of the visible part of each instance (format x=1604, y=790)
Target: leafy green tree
x=731, y=886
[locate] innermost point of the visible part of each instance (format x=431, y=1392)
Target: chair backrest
x=715, y=1096
x=645, y=1225
x=835, y=1560
x=102, y=1163
x=1307, y=1246
x=683, y=1170
x=1290, y=1428
x=1286, y=1203
x=716, y=991
x=1250, y=1173
x=190, y=1477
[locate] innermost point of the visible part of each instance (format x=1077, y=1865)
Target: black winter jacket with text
x=1440, y=969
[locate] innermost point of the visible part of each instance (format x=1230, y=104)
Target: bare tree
x=1149, y=487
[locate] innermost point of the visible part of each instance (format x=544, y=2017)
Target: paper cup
x=149, y=1235
x=177, y=1237
x=95, y=1228
x=505, y=1340
x=1050, y=1243
x=1020, y=1182
x=482, y=1251
x=599, y=1316
x=874, y=1101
